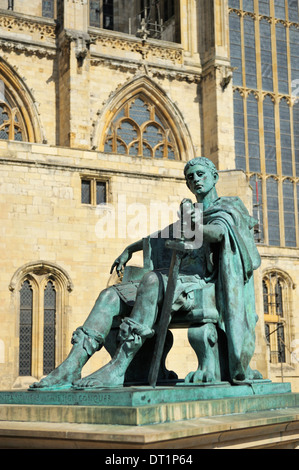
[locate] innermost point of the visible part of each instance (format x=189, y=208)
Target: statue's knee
x=149, y=281
x=108, y=296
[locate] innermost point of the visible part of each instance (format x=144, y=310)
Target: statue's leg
x=203, y=340
x=132, y=334
x=86, y=340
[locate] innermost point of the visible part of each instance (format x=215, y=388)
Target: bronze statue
x=213, y=289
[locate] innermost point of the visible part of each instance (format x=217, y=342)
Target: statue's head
x=201, y=161
x=201, y=177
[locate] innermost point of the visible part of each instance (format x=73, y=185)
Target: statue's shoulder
x=231, y=202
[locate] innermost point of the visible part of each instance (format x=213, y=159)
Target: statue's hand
x=121, y=262
x=190, y=215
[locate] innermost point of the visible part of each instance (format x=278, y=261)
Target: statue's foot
x=108, y=376
x=60, y=378
x=200, y=376
x=250, y=377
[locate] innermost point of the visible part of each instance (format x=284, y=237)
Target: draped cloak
x=229, y=264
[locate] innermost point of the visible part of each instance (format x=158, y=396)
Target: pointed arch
x=41, y=322
x=159, y=114
x=19, y=118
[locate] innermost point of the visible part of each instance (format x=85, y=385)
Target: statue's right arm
x=126, y=255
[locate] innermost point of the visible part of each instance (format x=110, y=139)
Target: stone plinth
x=258, y=415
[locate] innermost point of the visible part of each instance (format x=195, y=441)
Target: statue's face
x=200, y=180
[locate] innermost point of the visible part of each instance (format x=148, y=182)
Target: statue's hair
x=201, y=161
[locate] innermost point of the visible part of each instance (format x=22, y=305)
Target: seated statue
x=214, y=293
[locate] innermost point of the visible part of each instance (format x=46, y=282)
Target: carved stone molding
x=29, y=49
x=17, y=24
x=151, y=70
x=145, y=49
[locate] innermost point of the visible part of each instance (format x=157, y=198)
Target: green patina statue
x=209, y=287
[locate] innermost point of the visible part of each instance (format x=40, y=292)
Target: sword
x=179, y=247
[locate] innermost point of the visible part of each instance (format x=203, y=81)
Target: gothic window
x=139, y=129
x=42, y=294
x=48, y=8
x=264, y=7
x=280, y=11
x=282, y=58
x=285, y=138
x=273, y=212
x=293, y=10
x=253, y=134
x=276, y=294
x=49, y=328
x=266, y=55
x=269, y=136
x=156, y=19
x=239, y=131
x=234, y=4
x=101, y=14
x=250, y=54
x=25, y=329
x=257, y=194
x=248, y=5
x=266, y=110
x=11, y=124
x=236, y=47
x=289, y=213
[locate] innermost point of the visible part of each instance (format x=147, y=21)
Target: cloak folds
x=235, y=257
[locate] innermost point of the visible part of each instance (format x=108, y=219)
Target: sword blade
x=165, y=317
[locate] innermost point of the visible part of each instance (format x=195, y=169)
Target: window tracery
x=41, y=302
x=139, y=129
x=11, y=123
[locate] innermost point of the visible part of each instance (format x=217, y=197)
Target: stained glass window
x=253, y=134
x=293, y=10
x=269, y=136
x=11, y=126
x=289, y=213
x=49, y=328
x=273, y=212
x=266, y=55
x=25, y=340
x=294, y=52
x=280, y=11
x=139, y=130
x=48, y=8
x=94, y=13
x=264, y=7
x=250, y=56
x=276, y=298
x=265, y=42
x=257, y=199
x=282, y=59
x=234, y=4
x=239, y=131
x=235, y=47
x=285, y=138
x=248, y=5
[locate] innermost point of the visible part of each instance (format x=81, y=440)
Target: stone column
x=74, y=76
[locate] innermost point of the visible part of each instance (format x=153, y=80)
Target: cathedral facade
x=101, y=105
